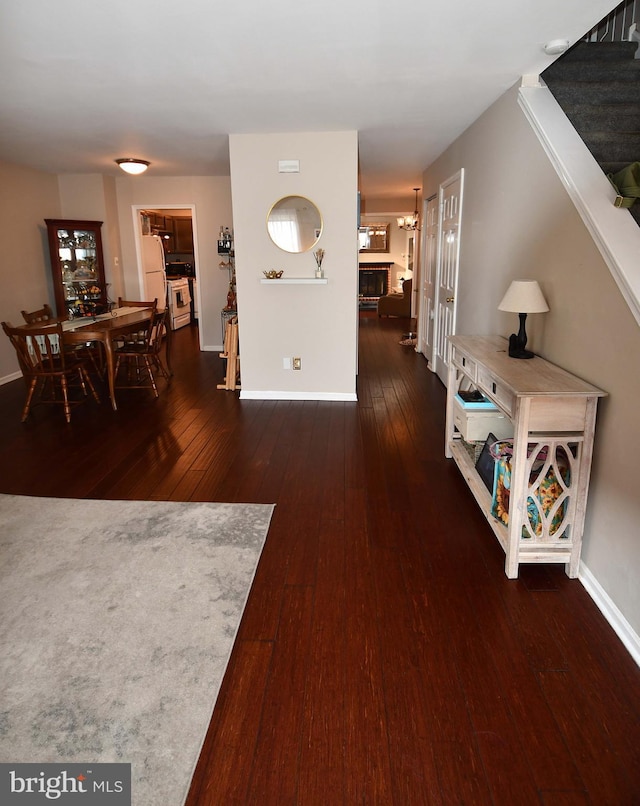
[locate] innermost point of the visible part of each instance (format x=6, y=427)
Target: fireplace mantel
x=379, y=265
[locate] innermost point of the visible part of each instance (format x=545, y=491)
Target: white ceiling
x=84, y=82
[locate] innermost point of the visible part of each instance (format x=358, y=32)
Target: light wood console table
x=554, y=415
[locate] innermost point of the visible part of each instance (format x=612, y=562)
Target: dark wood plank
x=274, y=771
x=230, y=741
x=410, y=715
x=601, y=767
x=324, y=730
x=366, y=749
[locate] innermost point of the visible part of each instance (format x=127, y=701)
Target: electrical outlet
x=286, y=363
x=297, y=363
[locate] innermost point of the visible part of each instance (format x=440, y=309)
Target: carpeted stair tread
x=605, y=117
x=594, y=71
x=595, y=92
x=604, y=148
x=602, y=51
x=628, y=140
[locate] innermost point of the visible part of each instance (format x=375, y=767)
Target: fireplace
x=373, y=283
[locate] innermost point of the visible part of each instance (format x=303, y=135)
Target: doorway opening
x=173, y=228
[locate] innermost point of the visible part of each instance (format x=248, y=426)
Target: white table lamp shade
x=524, y=296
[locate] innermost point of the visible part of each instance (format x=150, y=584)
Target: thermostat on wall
x=289, y=166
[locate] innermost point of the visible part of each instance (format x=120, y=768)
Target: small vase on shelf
x=319, y=256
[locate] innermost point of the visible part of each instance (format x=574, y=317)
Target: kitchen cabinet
x=553, y=415
x=182, y=234
x=153, y=222
x=160, y=222
x=77, y=267
x=176, y=231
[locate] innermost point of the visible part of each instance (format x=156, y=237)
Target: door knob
x=450, y=299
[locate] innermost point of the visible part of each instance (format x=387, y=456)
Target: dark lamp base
x=516, y=349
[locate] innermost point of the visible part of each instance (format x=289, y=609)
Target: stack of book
x=473, y=399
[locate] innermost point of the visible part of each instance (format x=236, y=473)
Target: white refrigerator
x=153, y=268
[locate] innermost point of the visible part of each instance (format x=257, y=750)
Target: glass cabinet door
x=77, y=266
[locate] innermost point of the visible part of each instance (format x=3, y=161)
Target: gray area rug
x=117, y=619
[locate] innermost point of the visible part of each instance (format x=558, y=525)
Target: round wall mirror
x=294, y=224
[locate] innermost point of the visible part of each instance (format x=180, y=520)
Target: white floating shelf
x=295, y=281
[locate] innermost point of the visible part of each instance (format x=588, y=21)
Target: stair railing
x=620, y=25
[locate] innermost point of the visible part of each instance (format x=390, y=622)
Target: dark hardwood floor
x=383, y=657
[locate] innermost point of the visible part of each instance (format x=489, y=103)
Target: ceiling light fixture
x=133, y=166
x=410, y=222
x=556, y=47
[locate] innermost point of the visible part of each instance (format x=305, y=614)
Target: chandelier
x=411, y=222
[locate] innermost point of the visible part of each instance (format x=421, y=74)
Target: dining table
x=109, y=329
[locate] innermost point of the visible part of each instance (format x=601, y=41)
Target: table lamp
x=522, y=297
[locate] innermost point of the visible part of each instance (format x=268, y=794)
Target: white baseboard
x=609, y=610
x=329, y=396
x=8, y=378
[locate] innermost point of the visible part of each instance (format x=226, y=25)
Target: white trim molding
x=610, y=611
x=613, y=229
x=335, y=397
x=12, y=377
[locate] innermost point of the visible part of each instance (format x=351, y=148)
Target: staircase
x=597, y=84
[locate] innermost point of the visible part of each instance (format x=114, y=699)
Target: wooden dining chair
x=140, y=355
x=90, y=350
x=137, y=303
x=45, y=363
x=43, y=314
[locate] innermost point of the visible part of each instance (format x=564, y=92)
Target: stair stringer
x=613, y=229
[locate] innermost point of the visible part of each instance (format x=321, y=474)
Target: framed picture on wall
x=373, y=238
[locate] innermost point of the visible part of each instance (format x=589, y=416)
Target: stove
x=179, y=268
x=179, y=298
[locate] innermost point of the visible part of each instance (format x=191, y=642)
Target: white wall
x=518, y=222
x=373, y=206
x=317, y=323
x=27, y=197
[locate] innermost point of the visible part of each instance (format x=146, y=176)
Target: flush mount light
x=133, y=166
x=556, y=47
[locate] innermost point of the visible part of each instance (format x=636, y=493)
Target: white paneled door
x=447, y=265
x=428, y=288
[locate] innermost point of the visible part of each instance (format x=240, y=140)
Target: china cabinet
x=77, y=266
